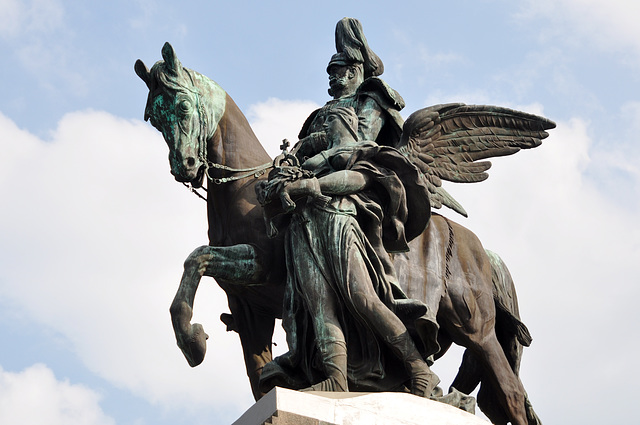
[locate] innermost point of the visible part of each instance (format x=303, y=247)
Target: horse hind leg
x=237, y=264
x=489, y=403
x=469, y=374
x=512, y=334
x=255, y=328
x=485, y=359
x=504, y=384
x=469, y=314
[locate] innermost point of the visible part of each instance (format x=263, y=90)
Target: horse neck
x=234, y=144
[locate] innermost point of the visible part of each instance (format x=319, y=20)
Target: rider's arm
x=310, y=145
x=315, y=162
x=343, y=182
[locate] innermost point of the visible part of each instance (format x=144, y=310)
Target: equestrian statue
x=339, y=237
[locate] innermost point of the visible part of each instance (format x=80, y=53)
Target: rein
x=253, y=171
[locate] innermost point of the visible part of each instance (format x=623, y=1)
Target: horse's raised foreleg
x=238, y=264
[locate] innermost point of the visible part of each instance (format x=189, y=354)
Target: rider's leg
x=387, y=325
x=331, y=345
x=322, y=305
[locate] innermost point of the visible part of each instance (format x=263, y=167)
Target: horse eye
x=185, y=106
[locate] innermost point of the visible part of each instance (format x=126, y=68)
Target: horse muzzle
x=189, y=170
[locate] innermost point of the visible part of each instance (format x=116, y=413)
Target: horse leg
x=469, y=374
x=511, y=332
x=477, y=334
x=238, y=264
x=506, y=382
x=255, y=328
x=468, y=313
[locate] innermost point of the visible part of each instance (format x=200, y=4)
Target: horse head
x=185, y=107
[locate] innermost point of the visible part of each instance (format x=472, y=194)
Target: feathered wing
x=449, y=142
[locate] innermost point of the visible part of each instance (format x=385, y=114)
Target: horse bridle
x=256, y=171
x=253, y=171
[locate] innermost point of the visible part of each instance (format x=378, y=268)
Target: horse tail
x=504, y=294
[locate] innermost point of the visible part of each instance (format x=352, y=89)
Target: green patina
x=184, y=105
x=192, y=106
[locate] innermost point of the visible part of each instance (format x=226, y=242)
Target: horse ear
x=143, y=73
x=170, y=58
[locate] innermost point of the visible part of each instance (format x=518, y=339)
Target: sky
x=94, y=230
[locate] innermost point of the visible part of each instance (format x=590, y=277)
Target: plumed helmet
x=352, y=48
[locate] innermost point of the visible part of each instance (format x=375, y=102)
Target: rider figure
x=354, y=82
x=340, y=309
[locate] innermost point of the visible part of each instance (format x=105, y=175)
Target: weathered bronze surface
x=371, y=285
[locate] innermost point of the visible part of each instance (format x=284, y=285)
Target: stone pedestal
x=287, y=407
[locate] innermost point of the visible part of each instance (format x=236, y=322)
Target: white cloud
x=94, y=237
x=146, y=11
x=94, y=233
x=24, y=18
x=35, y=396
x=277, y=119
x=573, y=256
x=11, y=17
x=45, y=16
x=605, y=24
x=413, y=59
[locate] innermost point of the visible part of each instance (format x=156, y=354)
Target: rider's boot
x=423, y=380
x=334, y=363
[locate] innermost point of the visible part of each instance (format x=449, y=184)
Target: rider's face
x=338, y=76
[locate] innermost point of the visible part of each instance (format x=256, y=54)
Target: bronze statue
x=209, y=137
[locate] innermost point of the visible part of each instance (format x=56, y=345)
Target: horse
x=210, y=138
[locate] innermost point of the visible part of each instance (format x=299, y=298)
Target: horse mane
x=161, y=75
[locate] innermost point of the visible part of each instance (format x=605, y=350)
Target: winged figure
x=452, y=141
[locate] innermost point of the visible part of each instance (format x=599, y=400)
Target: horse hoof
x=196, y=346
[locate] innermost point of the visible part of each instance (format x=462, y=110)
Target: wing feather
x=450, y=142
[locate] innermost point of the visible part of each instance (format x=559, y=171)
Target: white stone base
x=287, y=407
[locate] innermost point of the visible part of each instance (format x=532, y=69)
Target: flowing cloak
x=319, y=244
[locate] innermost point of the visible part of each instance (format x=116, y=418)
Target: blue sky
x=94, y=229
